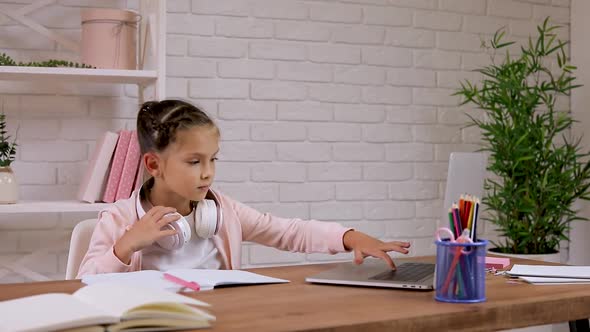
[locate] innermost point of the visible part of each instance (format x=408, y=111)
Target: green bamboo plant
x=538, y=166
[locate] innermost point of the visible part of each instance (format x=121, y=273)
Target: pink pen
x=188, y=284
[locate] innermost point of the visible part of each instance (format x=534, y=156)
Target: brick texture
x=332, y=110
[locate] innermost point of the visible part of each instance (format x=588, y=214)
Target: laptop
x=465, y=175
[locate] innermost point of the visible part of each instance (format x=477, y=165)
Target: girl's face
x=188, y=164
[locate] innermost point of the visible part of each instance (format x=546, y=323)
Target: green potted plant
x=8, y=183
x=538, y=168
x=6, y=60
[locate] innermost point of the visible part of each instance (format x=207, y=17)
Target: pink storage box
x=109, y=38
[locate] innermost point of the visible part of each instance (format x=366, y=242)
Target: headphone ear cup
x=219, y=218
x=206, y=218
x=182, y=236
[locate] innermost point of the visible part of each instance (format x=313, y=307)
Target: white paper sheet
x=554, y=281
x=554, y=271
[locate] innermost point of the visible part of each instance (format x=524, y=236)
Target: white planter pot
x=8, y=186
x=552, y=258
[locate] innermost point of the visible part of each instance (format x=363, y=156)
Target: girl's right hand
x=150, y=228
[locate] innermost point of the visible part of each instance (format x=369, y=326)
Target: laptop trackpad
x=409, y=272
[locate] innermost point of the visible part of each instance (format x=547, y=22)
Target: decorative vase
x=109, y=38
x=8, y=186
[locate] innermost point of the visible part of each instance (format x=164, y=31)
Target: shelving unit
x=150, y=79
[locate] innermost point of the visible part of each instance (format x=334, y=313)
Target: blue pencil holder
x=460, y=271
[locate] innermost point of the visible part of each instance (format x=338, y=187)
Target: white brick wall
x=332, y=110
x=334, y=12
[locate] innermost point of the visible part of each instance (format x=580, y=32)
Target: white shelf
x=60, y=74
x=51, y=206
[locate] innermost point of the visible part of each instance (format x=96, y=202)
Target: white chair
x=79, y=246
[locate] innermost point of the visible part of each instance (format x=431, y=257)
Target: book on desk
x=104, y=307
x=551, y=274
x=206, y=279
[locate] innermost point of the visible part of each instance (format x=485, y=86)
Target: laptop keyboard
x=407, y=272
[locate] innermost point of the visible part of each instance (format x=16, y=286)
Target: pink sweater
x=240, y=223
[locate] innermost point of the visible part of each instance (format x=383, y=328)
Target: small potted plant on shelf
x=538, y=167
x=6, y=60
x=8, y=183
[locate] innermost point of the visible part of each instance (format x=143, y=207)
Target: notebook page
x=169, y=311
x=118, y=298
x=147, y=278
x=53, y=311
x=548, y=280
x=207, y=279
x=211, y=278
x=557, y=271
x=558, y=284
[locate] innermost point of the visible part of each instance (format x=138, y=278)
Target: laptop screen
x=465, y=176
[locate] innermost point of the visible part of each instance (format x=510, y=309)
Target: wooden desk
x=308, y=307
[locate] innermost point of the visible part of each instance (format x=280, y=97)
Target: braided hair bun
x=159, y=121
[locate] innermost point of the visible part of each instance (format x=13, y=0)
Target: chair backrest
x=79, y=246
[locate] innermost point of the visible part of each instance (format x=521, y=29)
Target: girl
x=177, y=221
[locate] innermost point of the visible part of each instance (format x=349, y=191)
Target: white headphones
x=207, y=218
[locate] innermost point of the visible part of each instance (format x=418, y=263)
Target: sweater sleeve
x=100, y=257
x=309, y=236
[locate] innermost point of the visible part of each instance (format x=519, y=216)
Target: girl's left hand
x=364, y=245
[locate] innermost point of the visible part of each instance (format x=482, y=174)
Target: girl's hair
x=158, y=123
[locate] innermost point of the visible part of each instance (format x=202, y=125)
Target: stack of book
x=551, y=274
x=114, y=170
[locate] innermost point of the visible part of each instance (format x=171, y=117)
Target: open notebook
x=207, y=279
x=104, y=306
